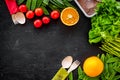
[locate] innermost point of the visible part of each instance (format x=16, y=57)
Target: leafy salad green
x=106, y=23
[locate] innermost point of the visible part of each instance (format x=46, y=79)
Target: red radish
x=46, y=20
x=30, y=14
x=55, y=14
x=39, y=12
x=38, y=23
x=23, y=8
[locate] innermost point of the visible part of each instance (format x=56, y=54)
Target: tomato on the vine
x=39, y=12
x=38, y=23
x=23, y=8
x=46, y=20
x=55, y=14
x=30, y=14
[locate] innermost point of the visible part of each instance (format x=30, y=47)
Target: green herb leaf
x=111, y=60
x=116, y=77
x=70, y=77
x=112, y=76
x=57, y=4
x=46, y=2
x=67, y=3
x=53, y=7
x=81, y=74
x=117, y=69
x=28, y=4
x=39, y=3
x=103, y=58
x=45, y=10
x=20, y=1
x=33, y=6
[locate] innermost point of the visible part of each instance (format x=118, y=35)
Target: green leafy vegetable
x=56, y=3
x=45, y=10
x=46, y=4
x=33, y=4
x=83, y=76
x=28, y=4
x=66, y=2
x=111, y=60
x=39, y=3
x=52, y=7
x=106, y=23
x=111, y=69
x=70, y=76
x=20, y=1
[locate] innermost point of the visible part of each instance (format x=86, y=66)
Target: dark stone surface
x=27, y=53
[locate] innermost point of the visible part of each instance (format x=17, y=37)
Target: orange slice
x=69, y=16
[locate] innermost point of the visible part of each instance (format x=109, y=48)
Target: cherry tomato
x=39, y=12
x=38, y=23
x=55, y=14
x=23, y=8
x=30, y=14
x=46, y=20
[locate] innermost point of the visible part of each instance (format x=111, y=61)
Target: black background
x=27, y=53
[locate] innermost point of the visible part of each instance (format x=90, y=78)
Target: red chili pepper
x=12, y=6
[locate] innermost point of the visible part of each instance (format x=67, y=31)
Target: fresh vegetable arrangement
x=45, y=4
x=106, y=23
x=48, y=9
x=105, y=29
x=111, y=69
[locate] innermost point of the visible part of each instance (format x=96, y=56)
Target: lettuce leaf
x=106, y=23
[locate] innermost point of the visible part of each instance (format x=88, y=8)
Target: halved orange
x=69, y=16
